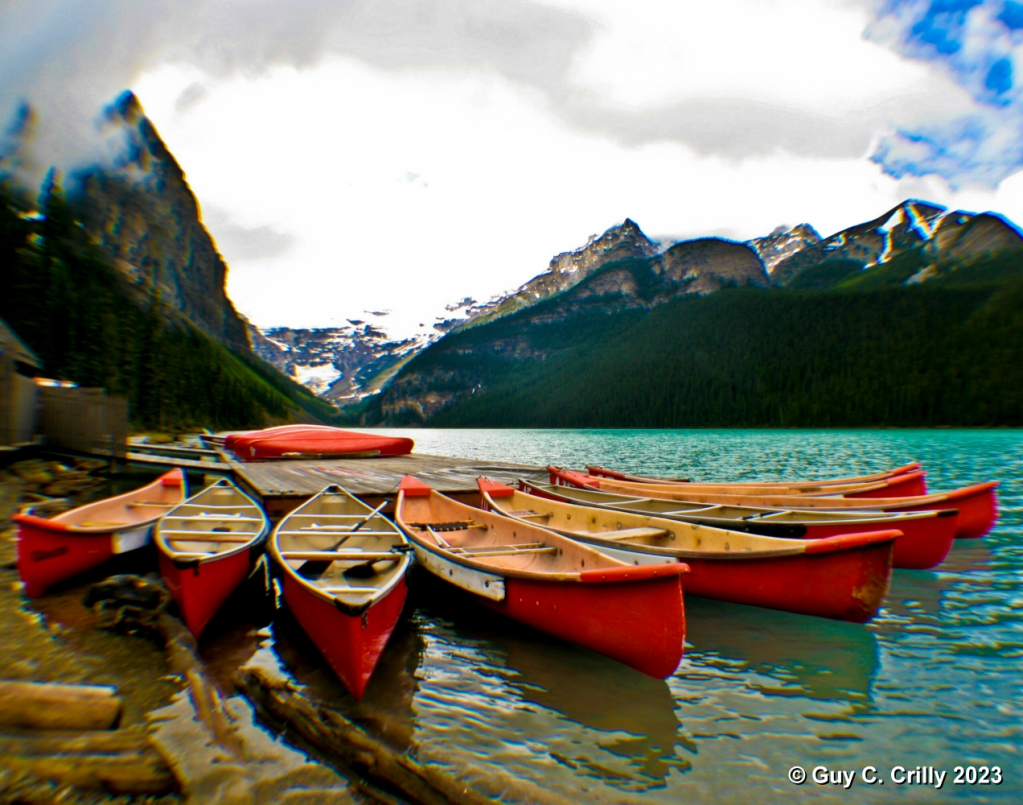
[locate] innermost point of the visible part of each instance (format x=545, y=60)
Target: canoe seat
x=505, y=550
x=460, y=525
x=207, y=517
x=138, y=504
x=340, y=532
x=103, y=524
x=223, y=536
x=524, y=514
x=634, y=533
x=341, y=556
x=220, y=537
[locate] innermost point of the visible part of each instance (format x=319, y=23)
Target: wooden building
x=18, y=391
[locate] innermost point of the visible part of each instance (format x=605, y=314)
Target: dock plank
x=289, y=482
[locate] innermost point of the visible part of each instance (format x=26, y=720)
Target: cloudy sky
x=399, y=155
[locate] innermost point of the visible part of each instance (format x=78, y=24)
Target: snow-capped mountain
x=342, y=364
x=348, y=363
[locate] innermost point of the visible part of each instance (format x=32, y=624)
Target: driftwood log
x=119, y=761
x=50, y=706
x=133, y=604
x=347, y=743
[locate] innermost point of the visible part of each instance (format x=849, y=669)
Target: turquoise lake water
x=933, y=681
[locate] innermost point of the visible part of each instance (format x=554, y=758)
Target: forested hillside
x=840, y=346
x=63, y=297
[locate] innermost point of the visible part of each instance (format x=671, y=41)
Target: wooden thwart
x=212, y=519
x=239, y=538
x=341, y=556
x=510, y=550
x=338, y=533
x=226, y=534
x=631, y=533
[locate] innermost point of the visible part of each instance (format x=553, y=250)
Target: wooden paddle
x=313, y=569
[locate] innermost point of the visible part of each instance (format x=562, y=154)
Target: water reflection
x=811, y=657
x=386, y=708
x=620, y=725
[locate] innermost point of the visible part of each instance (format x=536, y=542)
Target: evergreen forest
x=840, y=346
x=88, y=325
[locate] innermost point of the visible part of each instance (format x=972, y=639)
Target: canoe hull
x=201, y=588
x=925, y=542
x=847, y=585
x=977, y=506
x=914, y=483
x=350, y=642
x=614, y=619
x=640, y=624
x=59, y=548
x=47, y=557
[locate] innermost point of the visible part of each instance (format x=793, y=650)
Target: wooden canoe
x=912, y=483
x=342, y=568
x=53, y=549
x=604, y=472
x=977, y=505
x=634, y=614
x=844, y=577
x=927, y=536
x=207, y=546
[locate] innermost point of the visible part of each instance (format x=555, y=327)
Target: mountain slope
x=67, y=289
x=145, y=220
x=942, y=239
x=584, y=317
x=909, y=319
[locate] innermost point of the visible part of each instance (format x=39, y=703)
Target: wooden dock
x=284, y=485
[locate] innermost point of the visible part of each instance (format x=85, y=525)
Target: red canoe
x=844, y=577
x=926, y=539
x=55, y=549
x=632, y=614
x=977, y=504
x=603, y=472
x=912, y=483
x=207, y=546
x=229, y=440
x=343, y=569
x=313, y=441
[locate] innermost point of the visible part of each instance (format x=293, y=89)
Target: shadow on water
x=387, y=705
x=634, y=714
x=812, y=657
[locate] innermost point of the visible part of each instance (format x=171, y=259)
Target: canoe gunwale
x=797, y=547
x=895, y=472
x=467, y=561
x=58, y=523
x=877, y=517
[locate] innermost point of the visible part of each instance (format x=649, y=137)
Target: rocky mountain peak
x=143, y=215
x=941, y=236
x=782, y=243
x=620, y=242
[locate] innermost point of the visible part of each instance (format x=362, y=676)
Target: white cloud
x=402, y=155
